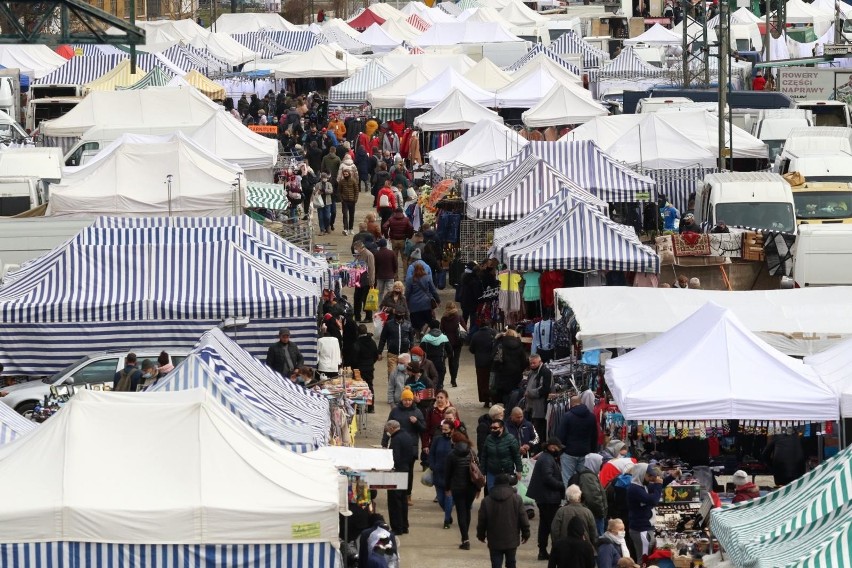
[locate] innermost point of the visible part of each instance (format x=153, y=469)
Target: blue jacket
x=419, y=294
x=525, y=434
x=409, y=274
x=441, y=448
x=640, y=503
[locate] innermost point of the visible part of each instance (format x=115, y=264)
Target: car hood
x=24, y=386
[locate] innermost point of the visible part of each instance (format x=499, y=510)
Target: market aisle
x=428, y=541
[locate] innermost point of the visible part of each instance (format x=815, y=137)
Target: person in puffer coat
x=347, y=186
x=500, y=454
x=437, y=347
x=594, y=496
x=546, y=489
x=457, y=482
x=510, y=360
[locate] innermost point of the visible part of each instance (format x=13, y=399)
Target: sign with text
x=806, y=83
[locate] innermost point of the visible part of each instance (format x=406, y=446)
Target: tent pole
x=169, y=196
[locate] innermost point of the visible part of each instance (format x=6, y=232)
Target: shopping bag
x=371, y=304
x=427, y=478
x=528, y=465
x=521, y=488
x=379, y=319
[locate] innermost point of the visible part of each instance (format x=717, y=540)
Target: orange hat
x=417, y=351
x=407, y=395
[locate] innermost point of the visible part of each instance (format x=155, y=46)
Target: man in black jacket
x=403, y=456
x=398, y=335
x=482, y=347
x=503, y=522
x=366, y=355
x=284, y=355
x=578, y=430
x=546, y=489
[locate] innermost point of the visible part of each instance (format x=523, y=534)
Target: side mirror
x=69, y=381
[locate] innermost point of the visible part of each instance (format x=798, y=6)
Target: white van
x=748, y=199
x=827, y=113
x=653, y=104
x=819, y=140
x=823, y=256
x=25, y=177
x=773, y=127
x=98, y=137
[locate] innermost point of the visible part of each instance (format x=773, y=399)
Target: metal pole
x=766, y=35
x=132, y=45
x=724, y=48
x=685, y=44
x=169, y=191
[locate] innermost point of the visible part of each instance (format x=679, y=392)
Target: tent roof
x=543, y=62
x=643, y=139
x=226, y=138
x=354, y=89
x=13, y=425
x=321, y=61
x=225, y=48
x=800, y=12
x=834, y=367
x=270, y=404
x=532, y=84
x=431, y=63
x=456, y=112
x=365, y=19
x=120, y=76
x=251, y=22
x=570, y=42
x=208, y=478
x=796, y=322
x=629, y=65
x=740, y=376
x=129, y=177
x=560, y=106
x=386, y=11
x=36, y=60
x=393, y=93
x=484, y=146
x=465, y=32
x=805, y=523
x=442, y=85
x=539, y=51
x=417, y=22
x=344, y=35
x=525, y=189
x=483, y=15
x=213, y=90
x=156, y=77
x=517, y=14
x=400, y=30
x=656, y=35
x=488, y=76
x=379, y=39
x=153, y=107
x=702, y=127
x=581, y=238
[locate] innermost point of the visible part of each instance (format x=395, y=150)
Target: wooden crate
x=753, y=246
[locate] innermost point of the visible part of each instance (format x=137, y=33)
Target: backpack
x=384, y=201
x=125, y=382
x=476, y=476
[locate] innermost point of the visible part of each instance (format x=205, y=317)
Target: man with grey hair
x=538, y=389
x=573, y=508
x=694, y=283
x=401, y=444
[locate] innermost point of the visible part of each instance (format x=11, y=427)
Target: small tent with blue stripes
x=172, y=480
x=133, y=283
x=13, y=425
x=289, y=415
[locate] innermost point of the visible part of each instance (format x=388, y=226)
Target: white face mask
x=620, y=534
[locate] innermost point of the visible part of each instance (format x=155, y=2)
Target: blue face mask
x=401, y=366
x=415, y=358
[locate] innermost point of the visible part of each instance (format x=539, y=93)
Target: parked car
x=94, y=370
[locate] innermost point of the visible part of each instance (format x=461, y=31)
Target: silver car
x=92, y=371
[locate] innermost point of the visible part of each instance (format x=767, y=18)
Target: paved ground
x=427, y=538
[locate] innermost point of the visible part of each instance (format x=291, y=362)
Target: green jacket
x=501, y=455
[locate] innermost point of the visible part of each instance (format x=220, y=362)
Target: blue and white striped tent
x=82, y=70
x=214, y=492
x=582, y=239
x=532, y=53
x=678, y=185
x=807, y=523
x=256, y=42
x=344, y=40
x=293, y=41
x=272, y=405
x=570, y=42
x=523, y=190
x=353, y=91
x=186, y=58
x=583, y=162
x=627, y=65
x=160, y=283
x=13, y=425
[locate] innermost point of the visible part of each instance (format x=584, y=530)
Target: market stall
x=483, y=147
x=834, y=367
x=214, y=491
x=353, y=91
x=13, y=425
x=457, y=111
x=561, y=106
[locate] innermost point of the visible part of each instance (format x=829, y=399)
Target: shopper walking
x=573, y=508
x=578, y=431
x=500, y=454
x=420, y=294
x=283, y=355
x=643, y=494
x=385, y=268
x=450, y=324
x=546, y=489
x=612, y=545
x=439, y=451
x=509, y=362
x=368, y=278
x=394, y=301
x=594, y=496
x=366, y=354
x=437, y=348
x=574, y=549
x=537, y=391
x=398, y=336
x=503, y=523
x=348, y=188
x=411, y=421
x=400, y=443
x=458, y=483
x=482, y=347
x=322, y=200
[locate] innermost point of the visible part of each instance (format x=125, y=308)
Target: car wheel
x=25, y=409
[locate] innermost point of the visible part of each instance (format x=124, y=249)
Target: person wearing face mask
x=398, y=335
x=546, y=489
x=411, y=422
x=457, y=482
x=439, y=450
x=500, y=454
x=150, y=374
x=537, y=391
x=612, y=545
x=428, y=369
x=396, y=381
x=643, y=494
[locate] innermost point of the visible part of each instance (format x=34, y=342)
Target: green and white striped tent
x=806, y=524
x=156, y=77
x=266, y=195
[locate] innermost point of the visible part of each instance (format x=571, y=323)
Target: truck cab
x=747, y=199
x=827, y=113
x=654, y=104
x=773, y=127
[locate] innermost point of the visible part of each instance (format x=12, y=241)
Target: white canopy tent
x=542, y=63
x=485, y=146
x=208, y=478
x=442, y=85
x=521, y=17
x=226, y=138
x=251, y=22
x=36, y=60
x=442, y=34
x=225, y=48
x=739, y=376
x=488, y=76
x=796, y=322
x=834, y=367
x=656, y=35
x=643, y=140
x=562, y=105
x=319, y=62
x=393, y=93
x=379, y=39
x=800, y=12
x=150, y=176
x=431, y=63
x=153, y=107
x=528, y=89
x=401, y=30
x=456, y=112
x=702, y=127
x=386, y=11
x=483, y=14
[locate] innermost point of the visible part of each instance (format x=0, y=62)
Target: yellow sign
x=306, y=531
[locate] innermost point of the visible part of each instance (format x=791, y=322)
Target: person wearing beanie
x=397, y=378
x=416, y=259
x=437, y=347
x=744, y=490
x=411, y=421
x=429, y=372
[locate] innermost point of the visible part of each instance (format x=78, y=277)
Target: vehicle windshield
x=65, y=371
x=775, y=216
x=775, y=148
x=823, y=204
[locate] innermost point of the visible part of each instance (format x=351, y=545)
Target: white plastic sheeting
x=834, y=367
x=456, y=112
x=796, y=322
x=208, y=479
x=710, y=366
